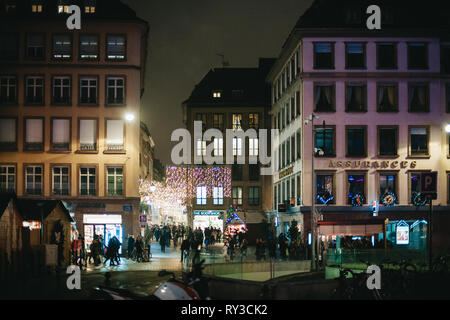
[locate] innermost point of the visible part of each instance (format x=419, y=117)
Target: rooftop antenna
x=224, y=63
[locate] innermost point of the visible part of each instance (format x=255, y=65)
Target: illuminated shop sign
x=102, y=219
x=206, y=213
x=384, y=164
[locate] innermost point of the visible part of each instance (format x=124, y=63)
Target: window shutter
x=87, y=131
x=114, y=129
x=34, y=130
x=61, y=131
x=7, y=130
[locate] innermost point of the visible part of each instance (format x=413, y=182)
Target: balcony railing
x=114, y=147
x=88, y=146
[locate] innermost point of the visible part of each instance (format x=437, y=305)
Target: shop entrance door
x=106, y=231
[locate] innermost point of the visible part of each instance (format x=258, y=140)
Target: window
x=62, y=47
x=288, y=151
x=218, y=121
x=217, y=94
x=201, y=148
x=237, y=195
x=8, y=134
x=88, y=90
x=418, y=98
x=115, y=47
x=387, y=98
x=298, y=194
x=386, y=56
x=292, y=68
x=293, y=108
x=297, y=61
x=88, y=181
x=275, y=200
x=201, y=195
x=218, y=196
x=293, y=148
x=325, y=140
x=203, y=117
x=237, y=146
x=237, y=93
x=283, y=155
x=8, y=90
x=10, y=51
x=88, y=134
x=356, y=185
x=323, y=55
x=283, y=118
x=325, y=188
x=63, y=6
x=353, y=15
x=35, y=46
x=297, y=102
x=253, y=196
x=36, y=8
x=114, y=181
x=356, y=141
x=60, y=134
x=237, y=121
x=218, y=147
x=417, y=55
x=33, y=179
x=288, y=118
x=445, y=59
x=387, y=141
x=388, y=183
x=115, y=130
x=355, y=55
x=89, y=6
x=298, y=145
x=253, y=172
x=253, y=147
x=88, y=47
x=324, y=98
x=60, y=179
x=355, y=98
x=7, y=178
x=115, y=90
x=34, y=134
x=61, y=90
x=253, y=120
x=418, y=139
x=236, y=172
x=34, y=90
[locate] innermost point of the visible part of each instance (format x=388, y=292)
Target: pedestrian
x=139, y=247
x=162, y=242
x=131, y=244
x=185, y=245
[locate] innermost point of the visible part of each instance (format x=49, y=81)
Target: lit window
x=201, y=195
x=237, y=146
x=36, y=8
x=89, y=9
x=114, y=181
x=253, y=147
x=218, y=147
x=218, y=195
x=7, y=178
x=237, y=120
x=217, y=94
x=201, y=148
x=237, y=196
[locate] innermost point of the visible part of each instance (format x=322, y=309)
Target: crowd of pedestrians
x=97, y=254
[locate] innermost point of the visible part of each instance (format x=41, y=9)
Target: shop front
x=105, y=225
x=208, y=219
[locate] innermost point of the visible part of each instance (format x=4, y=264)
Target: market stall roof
x=351, y=228
x=31, y=209
x=5, y=197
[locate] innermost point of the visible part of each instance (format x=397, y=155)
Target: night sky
x=186, y=35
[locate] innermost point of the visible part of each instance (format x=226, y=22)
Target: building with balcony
x=381, y=97
x=237, y=99
x=70, y=109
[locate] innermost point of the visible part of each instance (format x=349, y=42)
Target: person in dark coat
x=185, y=246
x=131, y=243
x=162, y=241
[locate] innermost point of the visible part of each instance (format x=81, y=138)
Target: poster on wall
x=402, y=233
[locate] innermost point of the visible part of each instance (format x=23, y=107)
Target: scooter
x=193, y=287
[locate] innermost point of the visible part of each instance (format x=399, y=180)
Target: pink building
x=381, y=97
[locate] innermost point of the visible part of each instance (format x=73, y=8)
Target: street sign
x=429, y=182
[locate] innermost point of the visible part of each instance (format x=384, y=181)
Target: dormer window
x=217, y=94
x=63, y=6
x=237, y=94
x=353, y=15
x=36, y=8
x=89, y=6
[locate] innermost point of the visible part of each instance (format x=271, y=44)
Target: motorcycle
x=192, y=287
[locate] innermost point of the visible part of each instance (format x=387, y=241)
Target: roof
x=31, y=209
x=238, y=87
x=104, y=9
x=5, y=197
x=405, y=14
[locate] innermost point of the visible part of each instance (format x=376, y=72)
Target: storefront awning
x=356, y=228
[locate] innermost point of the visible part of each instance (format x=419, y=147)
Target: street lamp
x=447, y=128
x=129, y=117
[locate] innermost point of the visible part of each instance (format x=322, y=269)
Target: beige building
x=70, y=110
x=238, y=99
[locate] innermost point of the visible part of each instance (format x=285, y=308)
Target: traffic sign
x=429, y=182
